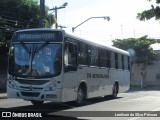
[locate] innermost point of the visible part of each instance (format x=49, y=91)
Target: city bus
x=52, y=65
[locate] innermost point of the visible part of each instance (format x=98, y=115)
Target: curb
x=3, y=96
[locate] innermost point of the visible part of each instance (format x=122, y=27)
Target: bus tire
x=37, y=103
x=115, y=91
x=81, y=95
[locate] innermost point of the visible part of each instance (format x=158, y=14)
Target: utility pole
x=55, y=9
x=42, y=13
x=122, y=31
x=56, y=24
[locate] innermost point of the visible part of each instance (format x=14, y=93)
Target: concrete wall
x=3, y=71
x=148, y=75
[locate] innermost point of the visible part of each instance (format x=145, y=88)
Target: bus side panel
x=69, y=89
x=86, y=74
x=105, y=85
x=115, y=75
x=125, y=84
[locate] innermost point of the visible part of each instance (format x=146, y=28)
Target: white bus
x=51, y=65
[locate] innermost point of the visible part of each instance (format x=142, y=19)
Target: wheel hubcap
x=115, y=91
x=80, y=95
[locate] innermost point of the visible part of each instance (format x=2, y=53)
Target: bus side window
x=82, y=54
x=70, y=57
x=119, y=61
x=129, y=63
x=113, y=63
x=126, y=62
x=116, y=60
x=123, y=62
x=104, y=58
x=93, y=55
x=109, y=59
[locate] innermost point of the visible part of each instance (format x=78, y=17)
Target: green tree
x=154, y=11
x=20, y=14
x=16, y=15
x=140, y=48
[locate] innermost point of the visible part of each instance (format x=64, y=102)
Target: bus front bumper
x=54, y=96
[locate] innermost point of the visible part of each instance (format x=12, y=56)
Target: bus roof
x=108, y=47
x=38, y=29
x=79, y=39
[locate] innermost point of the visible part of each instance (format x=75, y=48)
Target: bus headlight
x=52, y=86
x=11, y=84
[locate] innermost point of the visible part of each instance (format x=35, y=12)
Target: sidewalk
x=3, y=96
x=147, y=88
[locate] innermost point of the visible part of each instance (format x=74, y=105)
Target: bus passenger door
x=70, y=71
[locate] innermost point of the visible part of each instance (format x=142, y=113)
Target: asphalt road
x=132, y=105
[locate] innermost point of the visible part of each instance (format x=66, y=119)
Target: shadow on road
x=57, y=111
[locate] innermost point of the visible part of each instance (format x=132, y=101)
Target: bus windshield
x=35, y=60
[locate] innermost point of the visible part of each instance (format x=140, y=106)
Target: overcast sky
x=123, y=23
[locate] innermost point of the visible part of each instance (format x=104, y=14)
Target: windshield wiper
x=32, y=50
x=25, y=47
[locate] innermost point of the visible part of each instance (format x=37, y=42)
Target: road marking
x=135, y=118
x=157, y=109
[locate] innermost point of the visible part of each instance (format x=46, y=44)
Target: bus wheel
x=37, y=103
x=81, y=95
x=115, y=91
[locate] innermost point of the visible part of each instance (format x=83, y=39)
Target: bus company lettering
x=89, y=75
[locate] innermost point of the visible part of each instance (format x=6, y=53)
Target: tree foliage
x=154, y=11
x=140, y=49
x=18, y=14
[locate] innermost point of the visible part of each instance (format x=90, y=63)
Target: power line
x=12, y=19
x=14, y=3
x=19, y=16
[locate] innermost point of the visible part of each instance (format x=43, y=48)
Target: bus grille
x=30, y=94
x=29, y=88
x=32, y=82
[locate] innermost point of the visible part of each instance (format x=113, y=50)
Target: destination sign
x=37, y=36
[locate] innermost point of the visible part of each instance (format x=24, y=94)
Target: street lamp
x=104, y=17
x=55, y=9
